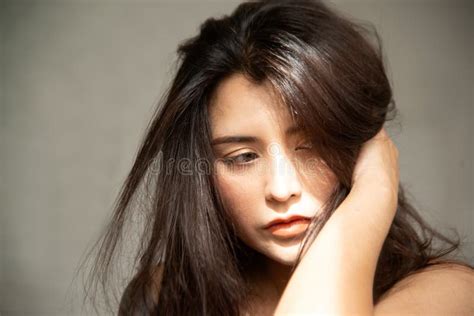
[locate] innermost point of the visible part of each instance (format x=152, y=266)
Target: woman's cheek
x=320, y=182
x=241, y=201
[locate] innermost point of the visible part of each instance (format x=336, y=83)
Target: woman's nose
x=282, y=179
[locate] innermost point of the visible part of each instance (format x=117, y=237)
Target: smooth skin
x=335, y=276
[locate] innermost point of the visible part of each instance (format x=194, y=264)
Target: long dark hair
x=329, y=72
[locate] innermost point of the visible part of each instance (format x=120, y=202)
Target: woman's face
x=267, y=171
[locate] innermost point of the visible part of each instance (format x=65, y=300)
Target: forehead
x=238, y=103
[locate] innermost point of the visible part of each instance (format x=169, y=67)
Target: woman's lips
x=290, y=229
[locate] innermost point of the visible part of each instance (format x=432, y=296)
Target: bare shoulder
x=158, y=277
x=443, y=289
x=131, y=302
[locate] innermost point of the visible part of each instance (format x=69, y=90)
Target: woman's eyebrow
x=248, y=139
x=234, y=139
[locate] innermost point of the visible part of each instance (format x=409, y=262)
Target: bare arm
x=336, y=274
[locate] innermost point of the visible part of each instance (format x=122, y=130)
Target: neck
x=272, y=276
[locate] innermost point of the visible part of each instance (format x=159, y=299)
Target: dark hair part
x=324, y=68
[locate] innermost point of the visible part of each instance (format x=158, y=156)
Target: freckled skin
x=275, y=177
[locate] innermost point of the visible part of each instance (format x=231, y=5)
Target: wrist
x=376, y=186
x=374, y=199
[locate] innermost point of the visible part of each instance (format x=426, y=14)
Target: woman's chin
x=284, y=255
x=286, y=261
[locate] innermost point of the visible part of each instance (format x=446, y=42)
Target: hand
x=336, y=274
x=377, y=168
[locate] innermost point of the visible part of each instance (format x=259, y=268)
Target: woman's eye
x=242, y=158
x=305, y=146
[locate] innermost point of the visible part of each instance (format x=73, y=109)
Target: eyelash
x=233, y=160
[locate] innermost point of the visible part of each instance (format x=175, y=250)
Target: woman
x=269, y=185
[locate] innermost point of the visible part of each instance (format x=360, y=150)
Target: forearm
x=336, y=274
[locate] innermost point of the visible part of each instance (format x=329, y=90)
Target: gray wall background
x=79, y=81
